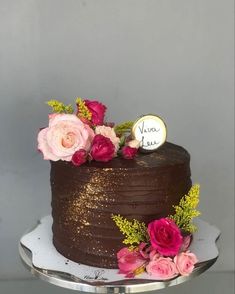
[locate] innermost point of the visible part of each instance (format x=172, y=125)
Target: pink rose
x=79, y=157
x=144, y=250
x=153, y=255
x=186, y=242
x=165, y=236
x=129, y=261
x=65, y=135
x=185, y=262
x=108, y=132
x=97, y=110
x=134, y=143
x=129, y=152
x=162, y=268
x=102, y=148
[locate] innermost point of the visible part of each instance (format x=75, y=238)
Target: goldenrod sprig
x=83, y=110
x=135, y=232
x=59, y=107
x=186, y=210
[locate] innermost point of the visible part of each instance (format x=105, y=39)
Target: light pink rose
x=134, y=143
x=162, y=268
x=153, y=255
x=129, y=261
x=185, y=262
x=108, y=132
x=65, y=135
x=187, y=239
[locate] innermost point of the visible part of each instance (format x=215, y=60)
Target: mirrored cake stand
x=41, y=258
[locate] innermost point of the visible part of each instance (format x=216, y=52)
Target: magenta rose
x=185, y=262
x=97, y=110
x=109, y=133
x=65, y=135
x=79, y=157
x=129, y=152
x=165, y=236
x=162, y=268
x=102, y=148
x=129, y=261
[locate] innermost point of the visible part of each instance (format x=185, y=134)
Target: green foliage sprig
x=186, y=210
x=135, y=232
x=123, y=128
x=122, y=141
x=59, y=107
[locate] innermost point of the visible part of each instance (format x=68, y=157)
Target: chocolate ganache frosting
x=85, y=197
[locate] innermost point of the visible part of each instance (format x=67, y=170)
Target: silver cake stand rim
x=134, y=286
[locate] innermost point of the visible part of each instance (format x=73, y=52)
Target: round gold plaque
x=150, y=130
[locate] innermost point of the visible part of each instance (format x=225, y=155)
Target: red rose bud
x=129, y=152
x=97, y=110
x=102, y=148
x=79, y=157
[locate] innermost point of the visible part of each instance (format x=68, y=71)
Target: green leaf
x=122, y=141
x=123, y=128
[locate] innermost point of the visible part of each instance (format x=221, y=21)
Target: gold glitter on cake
x=88, y=197
x=142, y=163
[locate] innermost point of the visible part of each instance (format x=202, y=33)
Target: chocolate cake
x=85, y=197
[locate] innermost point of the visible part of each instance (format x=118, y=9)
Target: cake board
x=40, y=256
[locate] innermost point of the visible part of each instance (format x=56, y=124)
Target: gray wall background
x=174, y=58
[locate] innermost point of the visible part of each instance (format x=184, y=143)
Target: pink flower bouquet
x=164, y=256
x=82, y=135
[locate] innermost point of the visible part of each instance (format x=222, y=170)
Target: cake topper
x=150, y=130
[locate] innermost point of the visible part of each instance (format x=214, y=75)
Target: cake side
x=85, y=197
